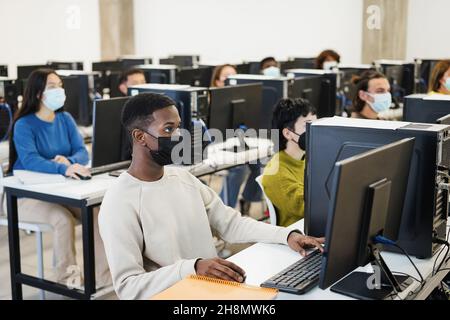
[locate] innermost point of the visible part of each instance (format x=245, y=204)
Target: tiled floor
x=29, y=258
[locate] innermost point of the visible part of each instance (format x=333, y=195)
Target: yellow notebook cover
x=196, y=287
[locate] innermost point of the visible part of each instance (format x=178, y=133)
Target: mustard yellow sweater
x=283, y=183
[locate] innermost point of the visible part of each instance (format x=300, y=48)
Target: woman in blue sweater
x=46, y=139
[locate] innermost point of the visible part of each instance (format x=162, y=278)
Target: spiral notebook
x=196, y=287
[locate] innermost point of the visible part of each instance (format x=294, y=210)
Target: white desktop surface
x=261, y=261
x=71, y=188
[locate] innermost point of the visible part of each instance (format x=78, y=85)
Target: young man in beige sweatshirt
x=155, y=221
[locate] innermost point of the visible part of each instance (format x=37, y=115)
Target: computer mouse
x=83, y=177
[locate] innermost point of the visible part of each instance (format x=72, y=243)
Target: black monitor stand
x=382, y=283
x=362, y=285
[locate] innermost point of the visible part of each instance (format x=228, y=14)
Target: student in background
x=221, y=73
x=155, y=220
x=270, y=67
x=283, y=178
x=440, y=78
x=45, y=139
x=236, y=176
x=131, y=77
x=373, y=98
x=327, y=59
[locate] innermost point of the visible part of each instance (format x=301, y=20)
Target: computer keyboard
x=299, y=277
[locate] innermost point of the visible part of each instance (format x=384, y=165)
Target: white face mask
x=272, y=72
x=329, y=65
x=54, y=98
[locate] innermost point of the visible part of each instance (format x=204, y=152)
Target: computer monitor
x=297, y=63
x=235, y=107
x=181, y=61
x=305, y=63
x=9, y=92
x=367, y=201
x=23, y=72
x=274, y=89
x=3, y=71
x=425, y=109
x=116, y=65
x=320, y=90
x=109, y=137
x=65, y=65
x=195, y=76
x=162, y=74
x=78, y=97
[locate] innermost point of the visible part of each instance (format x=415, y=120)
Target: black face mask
x=301, y=139
x=163, y=156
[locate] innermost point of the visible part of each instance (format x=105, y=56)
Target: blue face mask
x=272, y=72
x=54, y=98
x=382, y=101
x=447, y=83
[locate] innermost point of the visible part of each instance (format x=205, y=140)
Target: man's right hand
x=219, y=268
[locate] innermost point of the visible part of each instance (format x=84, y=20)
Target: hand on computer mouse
x=75, y=169
x=300, y=243
x=219, y=268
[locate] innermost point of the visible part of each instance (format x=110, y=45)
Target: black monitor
x=109, y=137
x=116, y=65
x=425, y=109
x=368, y=194
x=249, y=67
x=78, y=100
x=181, y=61
x=163, y=74
x=195, y=76
x=65, y=65
x=297, y=63
x=319, y=91
x=3, y=71
x=305, y=63
x=23, y=72
x=235, y=106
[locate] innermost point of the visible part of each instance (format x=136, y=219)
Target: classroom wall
x=232, y=30
x=428, y=29
x=37, y=30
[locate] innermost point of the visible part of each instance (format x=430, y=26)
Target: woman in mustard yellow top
x=440, y=78
x=283, y=178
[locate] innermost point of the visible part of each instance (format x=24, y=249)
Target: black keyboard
x=299, y=277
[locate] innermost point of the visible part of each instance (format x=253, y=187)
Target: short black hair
x=137, y=112
x=286, y=113
x=265, y=61
x=124, y=75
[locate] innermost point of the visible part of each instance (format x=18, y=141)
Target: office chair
x=272, y=210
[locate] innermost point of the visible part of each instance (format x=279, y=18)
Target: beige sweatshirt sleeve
x=234, y=228
x=123, y=240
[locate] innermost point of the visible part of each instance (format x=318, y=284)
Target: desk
x=261, y=261
x=86, y=195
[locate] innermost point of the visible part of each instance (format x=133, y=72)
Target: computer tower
x=192, y=104
x=425, y=210
x=425, y=108
x=274, y=89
